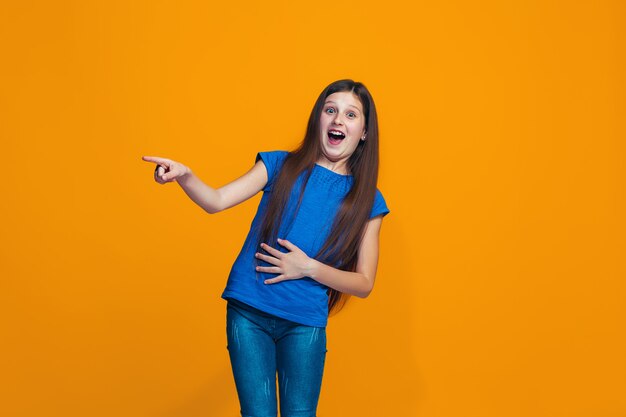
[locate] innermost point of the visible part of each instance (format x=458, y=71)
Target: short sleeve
x=273, y=161
x=380, y=206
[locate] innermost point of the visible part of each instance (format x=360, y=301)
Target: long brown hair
x=341, y=248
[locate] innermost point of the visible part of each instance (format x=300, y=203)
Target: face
x=342, y=125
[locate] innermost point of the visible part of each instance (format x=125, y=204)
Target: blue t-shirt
x=302, y=300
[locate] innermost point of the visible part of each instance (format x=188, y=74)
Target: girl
x=313, y=242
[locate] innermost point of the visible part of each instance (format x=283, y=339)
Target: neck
x=339, y=166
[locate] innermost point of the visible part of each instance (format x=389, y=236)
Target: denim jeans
x=260, y=345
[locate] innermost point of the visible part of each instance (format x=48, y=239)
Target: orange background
x=501, y=284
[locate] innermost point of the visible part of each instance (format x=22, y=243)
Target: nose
x=338, y=120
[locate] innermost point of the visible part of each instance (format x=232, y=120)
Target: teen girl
x=313, y=242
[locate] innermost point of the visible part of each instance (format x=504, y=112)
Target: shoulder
x=271, y=158
x=273, y=161
x=271, y=155
x=380, y=205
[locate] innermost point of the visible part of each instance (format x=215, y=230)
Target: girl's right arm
x=210, y=199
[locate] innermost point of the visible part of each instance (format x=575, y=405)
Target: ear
x=363, y=136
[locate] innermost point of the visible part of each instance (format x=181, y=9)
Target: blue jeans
x=260, y=345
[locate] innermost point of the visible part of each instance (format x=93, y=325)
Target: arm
x=296, y=264
x=210, y=199
x=229, y=195
x=360, y=282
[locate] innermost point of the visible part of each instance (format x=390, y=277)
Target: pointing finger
x=157, y=160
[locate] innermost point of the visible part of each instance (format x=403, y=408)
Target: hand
x=294, y=264
x=167, y=170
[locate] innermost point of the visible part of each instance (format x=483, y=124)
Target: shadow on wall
x=372, y=359
x=209, y=399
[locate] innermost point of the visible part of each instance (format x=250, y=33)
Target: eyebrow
x=349, y=105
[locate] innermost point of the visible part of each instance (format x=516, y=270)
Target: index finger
x=156, y=160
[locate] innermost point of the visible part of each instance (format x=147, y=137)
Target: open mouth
x=335, y=137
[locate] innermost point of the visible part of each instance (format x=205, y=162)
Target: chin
x=333, y=154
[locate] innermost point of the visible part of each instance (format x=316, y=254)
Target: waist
x=243, y=306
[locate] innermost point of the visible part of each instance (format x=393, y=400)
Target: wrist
x=185, y=176
x=313, y=268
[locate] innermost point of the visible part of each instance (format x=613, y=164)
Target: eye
x=352, y=115
x=330, y=110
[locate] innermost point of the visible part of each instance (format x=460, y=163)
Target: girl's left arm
x=296, y=264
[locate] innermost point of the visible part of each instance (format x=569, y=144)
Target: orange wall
x=501, y=284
